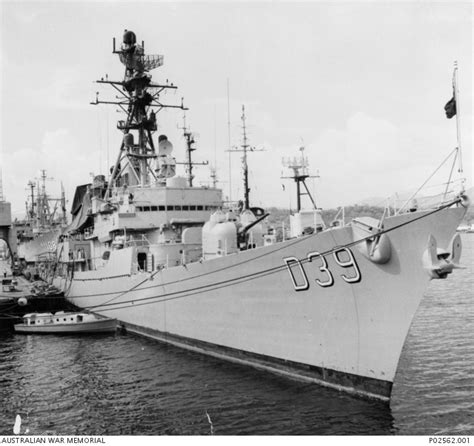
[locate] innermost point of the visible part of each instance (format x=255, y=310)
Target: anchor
x=439, y=262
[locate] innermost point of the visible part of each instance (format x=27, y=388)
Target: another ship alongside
x=45, y=220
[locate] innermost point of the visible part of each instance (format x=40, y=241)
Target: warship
x=17, y=295
x=171, y=261
x=46, y=218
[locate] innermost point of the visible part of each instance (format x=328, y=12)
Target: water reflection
x=126, y=385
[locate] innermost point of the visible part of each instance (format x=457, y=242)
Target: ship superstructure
x=169, y=261
x=143, y=203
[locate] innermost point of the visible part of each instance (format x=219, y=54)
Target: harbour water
x=122, y=384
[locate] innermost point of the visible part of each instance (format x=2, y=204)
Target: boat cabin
x=58, y=318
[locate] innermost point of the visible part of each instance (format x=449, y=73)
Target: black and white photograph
x=236, y=219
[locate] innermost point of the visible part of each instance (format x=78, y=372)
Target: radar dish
x=150, y=62
x=164, y=148
x=139, y=62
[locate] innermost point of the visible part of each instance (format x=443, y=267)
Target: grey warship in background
x=46, y=218
x=168, y=260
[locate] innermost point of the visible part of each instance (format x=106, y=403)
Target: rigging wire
x=451, y=173
x=386, y=200
x=217, y=285
x=428, y=179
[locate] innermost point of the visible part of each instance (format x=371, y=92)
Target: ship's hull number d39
x=324, y=277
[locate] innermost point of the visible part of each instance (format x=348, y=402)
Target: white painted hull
x=245, y=308
x=99, y=326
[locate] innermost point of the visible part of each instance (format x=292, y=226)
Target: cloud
x=25, y=16
x=62, y=158
x=64, y=89
x=367, y=157
x=374, y=157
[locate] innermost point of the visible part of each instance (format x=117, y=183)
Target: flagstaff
x=452, y=108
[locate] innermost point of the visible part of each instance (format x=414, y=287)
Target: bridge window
x=150, y=208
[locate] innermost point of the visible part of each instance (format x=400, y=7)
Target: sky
x=361, y=85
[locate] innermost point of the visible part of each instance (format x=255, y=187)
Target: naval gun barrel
x=251, y=225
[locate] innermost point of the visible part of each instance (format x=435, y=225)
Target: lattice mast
x=139, y=99
x=40, y=211
x=43, y=211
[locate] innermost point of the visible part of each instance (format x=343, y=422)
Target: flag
x=450, y=108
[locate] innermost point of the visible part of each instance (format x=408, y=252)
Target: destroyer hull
x=338, y=319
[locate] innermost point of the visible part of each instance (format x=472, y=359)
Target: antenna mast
x=228, y=138
x=190, y=140
x=300, y=174
x=42, y=209
x=245, y=148
x=31, y=212
x=63, y=204
x=213, y=176
x=458, y=119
